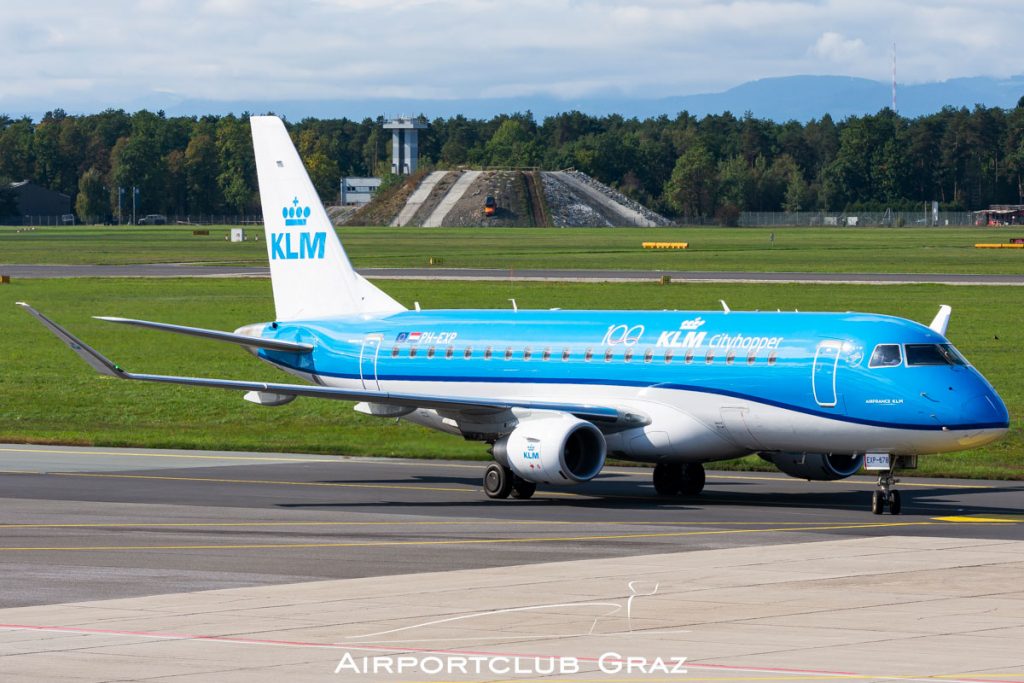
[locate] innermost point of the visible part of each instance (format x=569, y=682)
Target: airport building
x=1000, y=214
x=36, y=205
x=405, y=146
x=358, y=191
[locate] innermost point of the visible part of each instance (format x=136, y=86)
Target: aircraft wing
x=608, y=416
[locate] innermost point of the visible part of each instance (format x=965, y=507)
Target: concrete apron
x=892, y=608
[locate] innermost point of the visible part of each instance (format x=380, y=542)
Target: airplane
x=556, y=392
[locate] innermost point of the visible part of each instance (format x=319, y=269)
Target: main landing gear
x=501, y=482
x=886, y=493
x=671, y=479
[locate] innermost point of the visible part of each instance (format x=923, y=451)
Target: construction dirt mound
x=508, y=190
x=387, y=203
x=522, y=198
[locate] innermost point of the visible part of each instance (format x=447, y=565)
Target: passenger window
x=565, y=354
x=688, y=358
x=468, y=353
x=430, y=352
x=886, y=356
x=394, y=352
x=527, y=353
x=588, y=355
x=449, y=352
x=487, y=353
x=412, y=352
x=668, y=356
x=709, y=358
x=772, y=357
x=648, y=355
x=628, y=356
x=608, y=353
x=508, y=353
x=546, y=355
x=730, y=357
x=751, y=357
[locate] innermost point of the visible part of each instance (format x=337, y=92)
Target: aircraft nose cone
x=985, y=420
x=985, y=410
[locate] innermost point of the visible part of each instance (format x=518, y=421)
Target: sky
x=93, y=55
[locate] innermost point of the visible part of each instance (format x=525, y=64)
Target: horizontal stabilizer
x=244, y=340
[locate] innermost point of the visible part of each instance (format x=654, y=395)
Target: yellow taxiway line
x=462, y=542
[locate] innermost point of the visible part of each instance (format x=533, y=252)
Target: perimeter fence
x=874, y=219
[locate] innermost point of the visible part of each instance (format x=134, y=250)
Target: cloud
x=353, y=49
x=834, y=47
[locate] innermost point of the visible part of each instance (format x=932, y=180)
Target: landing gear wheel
x=522, y=489
x=497, y=481
x=886, y=493
x=894, y=503
x=693, y=479
x=668, y=477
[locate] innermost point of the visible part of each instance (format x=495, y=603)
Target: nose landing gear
x=886, y=494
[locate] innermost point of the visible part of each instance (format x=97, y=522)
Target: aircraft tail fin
x=311, y=274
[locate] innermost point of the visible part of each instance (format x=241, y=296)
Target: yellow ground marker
x=1009, y=519
x=665, y=245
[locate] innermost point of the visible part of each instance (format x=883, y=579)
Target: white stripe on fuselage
x=738, y=426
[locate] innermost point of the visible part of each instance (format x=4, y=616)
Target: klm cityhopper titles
x=556, y=392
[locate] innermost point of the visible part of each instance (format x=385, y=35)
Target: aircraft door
x=737, y=422
x=823, y=378
x=368, y=355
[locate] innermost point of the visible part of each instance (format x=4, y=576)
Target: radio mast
x=894, y=111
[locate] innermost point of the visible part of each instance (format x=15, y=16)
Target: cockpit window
x=885, y=356
x=933, y=354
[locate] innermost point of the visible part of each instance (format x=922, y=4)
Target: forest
x=682, y=166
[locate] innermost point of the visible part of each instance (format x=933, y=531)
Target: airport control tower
x=405, y=146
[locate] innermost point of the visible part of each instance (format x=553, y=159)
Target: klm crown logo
x=295, y=214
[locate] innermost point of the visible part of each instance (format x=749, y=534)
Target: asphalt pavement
x=93, y=523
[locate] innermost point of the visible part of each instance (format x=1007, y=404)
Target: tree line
x=682, y=166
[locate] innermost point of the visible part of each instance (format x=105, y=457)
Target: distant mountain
x=793, y=97
x=806, y=97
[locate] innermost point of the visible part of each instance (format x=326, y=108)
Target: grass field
x=48, y=396
x=869, y=250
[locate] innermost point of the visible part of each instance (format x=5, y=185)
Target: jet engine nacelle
x=556, y=449
x=816, y=466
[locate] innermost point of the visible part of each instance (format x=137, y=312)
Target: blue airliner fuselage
x=822, y=365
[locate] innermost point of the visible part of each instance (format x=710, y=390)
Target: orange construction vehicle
x=490, y=206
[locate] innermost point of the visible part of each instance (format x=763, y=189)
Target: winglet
x=94, y=358
x=941, y=320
